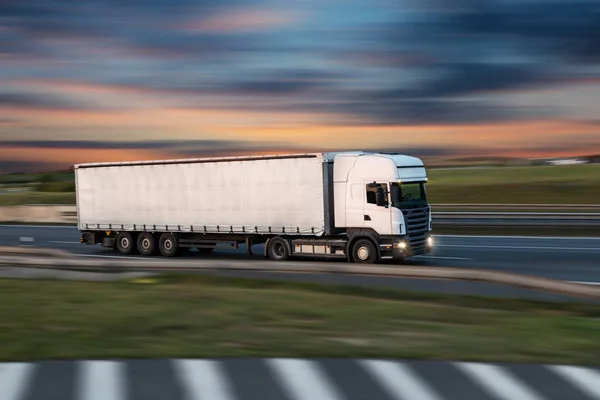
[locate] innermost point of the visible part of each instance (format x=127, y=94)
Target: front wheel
x=364, y=252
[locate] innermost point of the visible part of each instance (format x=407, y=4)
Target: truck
x=357, y=206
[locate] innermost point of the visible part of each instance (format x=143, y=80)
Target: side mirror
x=380, y=198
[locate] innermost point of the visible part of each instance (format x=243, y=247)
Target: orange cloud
x=245, y=20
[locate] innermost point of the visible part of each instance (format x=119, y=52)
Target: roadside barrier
x=57, y=259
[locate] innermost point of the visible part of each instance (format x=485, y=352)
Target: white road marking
x=469, y=246
x=399, y=381
x=63, y=242
x=518, y=237
x=585, y=379
x=101, y=380
x=586, y=283
x=14, y=378
x=203, y=379
x=303, y=380
x=497, y=382
x=444, y=258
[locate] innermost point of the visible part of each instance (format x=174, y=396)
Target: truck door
x=377, y=217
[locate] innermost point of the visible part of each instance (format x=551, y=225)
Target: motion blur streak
x=101, y=81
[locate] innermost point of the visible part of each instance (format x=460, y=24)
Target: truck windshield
x=408, y=194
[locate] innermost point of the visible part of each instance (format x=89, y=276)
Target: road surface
x=569, y=259
x=293, y=379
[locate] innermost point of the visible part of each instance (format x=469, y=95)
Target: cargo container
x=361, y=207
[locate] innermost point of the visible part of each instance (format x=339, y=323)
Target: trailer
x=361, y=207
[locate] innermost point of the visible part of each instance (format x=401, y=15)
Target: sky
x=92, y=80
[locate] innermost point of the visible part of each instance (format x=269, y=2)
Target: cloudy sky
x=92, y=80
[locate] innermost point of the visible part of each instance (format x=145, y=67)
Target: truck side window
x=372, y=193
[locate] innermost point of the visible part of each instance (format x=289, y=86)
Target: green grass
x=569, y=184
x=199, y=316
x=34, y=197
x=576, y=184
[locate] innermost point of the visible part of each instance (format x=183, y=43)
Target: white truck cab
x=385, y=194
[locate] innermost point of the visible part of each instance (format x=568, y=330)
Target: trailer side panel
x=268, y=195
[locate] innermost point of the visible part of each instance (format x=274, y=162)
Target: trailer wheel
x=168, y=245
x=278, y=249
x=146, y=244
x=124, y=243
x=364, y=252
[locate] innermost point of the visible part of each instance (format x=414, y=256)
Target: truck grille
x=417, y=226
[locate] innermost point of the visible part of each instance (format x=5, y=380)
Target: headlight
x=400, y=245
x=430, y=241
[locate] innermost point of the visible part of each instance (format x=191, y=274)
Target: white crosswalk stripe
x=585, y=379
x=203, y=380
x=14, y=378
x=294, y=379
x=399, y=381
x=303, y=380
x=499, y=383
x=101, y=380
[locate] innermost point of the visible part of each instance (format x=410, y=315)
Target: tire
x=124, y=243
x=278, y=249
x=364, y=252
x=168, y=245
x=146, y=244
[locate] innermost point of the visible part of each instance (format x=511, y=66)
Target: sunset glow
x=89, y=82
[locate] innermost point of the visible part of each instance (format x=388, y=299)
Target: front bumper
x=400, y=248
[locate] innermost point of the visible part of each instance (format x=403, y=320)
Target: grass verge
x=33, y=197
x=203, y=316
x=576, y=184
x=568, y=184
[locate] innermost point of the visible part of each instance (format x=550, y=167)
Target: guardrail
x=518, y=207
x=463, y=214
x=56, y=259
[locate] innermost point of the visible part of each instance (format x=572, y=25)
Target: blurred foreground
x=195, y=316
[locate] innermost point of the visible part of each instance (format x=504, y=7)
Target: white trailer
x=358, y=206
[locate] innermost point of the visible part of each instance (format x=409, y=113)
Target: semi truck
x=362, y=207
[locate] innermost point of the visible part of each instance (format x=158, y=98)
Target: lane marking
x=62, y=242
x=585, y=379
x=497, y=382
x=303, y=380
x=101, y=380
x=13, y=380
x=203, y=379
x=444, y=258
x=399, y=381
x=520, y=237
x=466, y=246
x=586, y=283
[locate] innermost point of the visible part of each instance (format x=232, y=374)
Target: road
x=293, y=379
x=570, y=259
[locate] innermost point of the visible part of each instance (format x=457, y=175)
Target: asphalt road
x=293, y=379
x=570, y=259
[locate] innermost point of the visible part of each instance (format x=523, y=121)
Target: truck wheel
x=146, y=244
x=168, y=245
x=124, y=243
x=364, y=252
x=278, y=249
